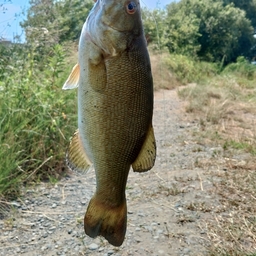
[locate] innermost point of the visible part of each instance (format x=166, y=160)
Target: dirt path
x=163, y=215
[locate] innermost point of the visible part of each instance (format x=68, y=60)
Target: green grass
x=36, y=118
x=243, y=146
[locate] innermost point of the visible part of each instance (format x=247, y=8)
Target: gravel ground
x=167, y=206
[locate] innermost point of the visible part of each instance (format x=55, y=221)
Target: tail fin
x=109, y=222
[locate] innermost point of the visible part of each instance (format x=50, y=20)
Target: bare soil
x=171, y=208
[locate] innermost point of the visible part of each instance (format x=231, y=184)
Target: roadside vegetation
x=206, y=47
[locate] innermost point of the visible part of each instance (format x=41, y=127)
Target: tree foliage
x=154, y=22
x=212, y=30
x=182, y=30
x=249, y=6
x=71, y=16
x=56, y=21
x=51, y=22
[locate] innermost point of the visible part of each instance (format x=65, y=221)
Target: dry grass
x=224, y=105
x=227, y=115
x=233, y=232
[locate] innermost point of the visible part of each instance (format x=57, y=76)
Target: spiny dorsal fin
x=77, y=159
x=146, y=158
x=73, y=79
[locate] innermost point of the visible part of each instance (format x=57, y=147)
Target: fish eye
x=131, y=8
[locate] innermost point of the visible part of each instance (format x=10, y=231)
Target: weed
x=173, y=191
x=199, y=206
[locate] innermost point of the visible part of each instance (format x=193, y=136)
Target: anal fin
x=76, y=158
x=146, y=158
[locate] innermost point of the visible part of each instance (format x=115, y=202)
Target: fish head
x=112, y=25
x=123, y=16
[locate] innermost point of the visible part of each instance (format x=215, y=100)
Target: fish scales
x=115, y=108
x=117, y=123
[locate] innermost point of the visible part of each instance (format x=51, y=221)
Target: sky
x=14, y=14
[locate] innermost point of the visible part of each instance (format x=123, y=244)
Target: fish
x=115, y=109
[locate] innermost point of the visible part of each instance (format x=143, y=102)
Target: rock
x=45, y=235
x=93, y=247
x=83, y=202
x=16, y=204
x=186, y=250
x=54, y=206
x=52, y=228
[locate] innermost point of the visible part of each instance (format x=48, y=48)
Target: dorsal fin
x=73, y=79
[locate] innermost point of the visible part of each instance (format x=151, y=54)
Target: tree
x=216, y=31
x=154, y=26
x=249, y=6
x=51, y=22
x=72, y=15
x=182, y=31
x=56, y=21
x=41, y=28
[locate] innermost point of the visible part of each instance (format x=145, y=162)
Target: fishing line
x=162, y=152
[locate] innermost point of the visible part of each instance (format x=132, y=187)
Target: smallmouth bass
x=115, y=108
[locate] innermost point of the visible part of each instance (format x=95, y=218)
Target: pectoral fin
x=146, y=158
x=77, y=159
x=73, y=79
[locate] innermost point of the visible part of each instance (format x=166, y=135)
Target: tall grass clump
x=242, y=67
x=188, y=70
x=243, y=71
x=34, y=124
